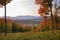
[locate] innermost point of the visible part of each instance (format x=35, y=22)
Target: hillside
x=8, y=20
x=30, y=20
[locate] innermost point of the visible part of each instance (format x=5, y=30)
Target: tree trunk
x=5, y=21
x=51, y=15
x=45, y=20
x=56, y=14
x=52, y=20
x=56, y=20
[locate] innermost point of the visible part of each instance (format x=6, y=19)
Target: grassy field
x=31, y=36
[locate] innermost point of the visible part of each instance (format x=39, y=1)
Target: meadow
x=47, y=35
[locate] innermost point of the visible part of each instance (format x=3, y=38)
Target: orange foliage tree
x=45, y=8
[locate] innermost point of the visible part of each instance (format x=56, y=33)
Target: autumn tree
x=3, y=3
x=20, y=27
x=14, y=27
x=27, y=28
x=45, y=8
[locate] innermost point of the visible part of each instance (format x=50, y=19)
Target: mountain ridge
x=23, y=17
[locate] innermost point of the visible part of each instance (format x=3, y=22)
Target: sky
x=21, y=8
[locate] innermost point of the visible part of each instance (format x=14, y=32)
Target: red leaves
x=8, y=20
x=42, y=1
x=41, y=10
x=37, y=1
x=44, y=21
x=44, y=7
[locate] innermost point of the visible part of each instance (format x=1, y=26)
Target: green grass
x=31, y=36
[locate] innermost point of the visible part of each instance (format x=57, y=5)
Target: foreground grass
x=31, y=36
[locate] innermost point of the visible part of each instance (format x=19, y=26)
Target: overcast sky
x=21, y=8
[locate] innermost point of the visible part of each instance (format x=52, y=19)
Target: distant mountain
x=35, y=18
x=26, y=19
x=30, y=20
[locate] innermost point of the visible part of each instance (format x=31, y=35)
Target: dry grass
x=31, y=36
